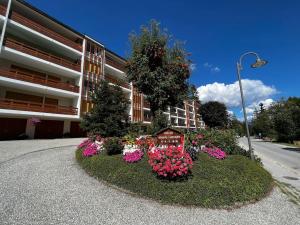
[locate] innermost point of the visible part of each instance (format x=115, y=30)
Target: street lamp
x=258, y=63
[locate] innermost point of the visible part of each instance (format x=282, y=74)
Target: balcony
x=10, y=43
x=115, y=64
x=43, y=30
x=119, y=82
x=36, y=107
x=25, y=76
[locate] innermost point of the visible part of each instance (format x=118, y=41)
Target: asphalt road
x=282, y=161
x=41, y=183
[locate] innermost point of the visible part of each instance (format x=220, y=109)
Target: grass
x=213, y=184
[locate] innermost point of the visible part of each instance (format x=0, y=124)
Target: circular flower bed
x=213, y=183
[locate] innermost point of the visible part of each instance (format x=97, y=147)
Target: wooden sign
x=169, y=136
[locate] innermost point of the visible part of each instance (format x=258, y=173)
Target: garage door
x=11, y=128
x=49, y=129
x=76, y=131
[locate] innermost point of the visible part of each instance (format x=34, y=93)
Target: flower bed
x=171, y=162
x=214, y=183
x=215, y=152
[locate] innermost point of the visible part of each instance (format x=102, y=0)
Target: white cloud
x=230, y=112
x=207, y=65
x=193, y=66
x=255, y=105
x=215, y=69
x=255, y=91
x=211, y=67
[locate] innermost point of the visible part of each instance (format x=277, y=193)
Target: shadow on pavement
x=292, y=149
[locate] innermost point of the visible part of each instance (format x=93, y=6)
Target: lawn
x=213, y=183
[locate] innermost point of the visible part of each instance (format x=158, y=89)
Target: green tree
x=285, y=115
x=262, y=123
x=109, y=116
x=237, y=125
x=214, y=114
x=159, y=122
x=157, y=70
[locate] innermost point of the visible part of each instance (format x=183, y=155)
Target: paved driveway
x=48, y=187
x=282, y=161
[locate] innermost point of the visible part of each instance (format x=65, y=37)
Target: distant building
x=47, y=70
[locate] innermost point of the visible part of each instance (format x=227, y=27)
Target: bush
x=170, y=163
x=113, y=146
x=137, y=129
x=224, y=139
x=192, y=151
x=160, y=121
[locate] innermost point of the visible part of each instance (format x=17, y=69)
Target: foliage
x=284, y=121
x=214, y=183
x=137, y=129
x=109, y=115
x=132, y=157
x=113, y=146
x=171, y=163
x=160, y=121
x=224, y=139
x=237, y=126
x=157, y=70
x=262, y=124
x=192, y=151
x=280, y=121
x=214, y=114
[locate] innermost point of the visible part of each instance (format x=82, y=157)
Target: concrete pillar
x=30, y=129
x=67, y=126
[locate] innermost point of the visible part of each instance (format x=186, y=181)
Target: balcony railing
x=2, y=10
x=36, y=107
x=115, y=64
x=25, y=76
x=40, y=54
x=40, y=28
x=113, y=80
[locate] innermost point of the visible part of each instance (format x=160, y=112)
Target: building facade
x=47, y=71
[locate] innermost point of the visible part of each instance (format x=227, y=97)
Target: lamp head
x=259, y=63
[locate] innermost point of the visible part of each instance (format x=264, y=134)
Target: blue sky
x=216, y=34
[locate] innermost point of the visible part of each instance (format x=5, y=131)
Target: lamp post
x=258, y=63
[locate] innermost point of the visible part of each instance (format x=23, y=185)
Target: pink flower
x=135, y=156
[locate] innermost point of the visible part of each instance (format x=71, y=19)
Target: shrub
x=159, y=122
x=109, y=115
x=192, y=151
x=113, y=146
x=171, y=162
x=137, y=129
x=132, y=157
x=224, y=139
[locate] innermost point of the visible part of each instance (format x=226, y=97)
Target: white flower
x=129, y=148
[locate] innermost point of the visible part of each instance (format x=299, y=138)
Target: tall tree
x=157, y=70
x=214, y=114
x=109, y=116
